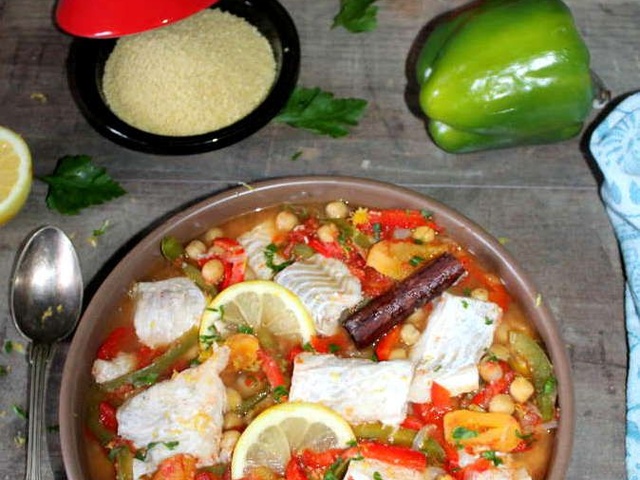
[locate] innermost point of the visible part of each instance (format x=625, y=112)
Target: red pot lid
x=114, y=18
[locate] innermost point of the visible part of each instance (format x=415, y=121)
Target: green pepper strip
x=249, y=404
x=171, y=248
x=541, y=369
x=103, y=435
x=173, y=251
x=124, y=464
x=218, y=469
x=159, y=366
x=384, y=433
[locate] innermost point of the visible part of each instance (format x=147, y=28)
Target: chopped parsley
x=19, y=411
x=142, y=453
x=296, y=155
x=492, y=457
x=336, y=470
x=269, y=253
x=416, y=260
x=377, y=231
x=244, y=328
x=463, y=433
x=144, y=380
x=426, y=214
x=333, y=348
x=211, y=336
x=488, y=321
x=279, y=393
x=465, y=304
x=4, y=370
x=102, y=230
x=377, y=476
x=307, y=347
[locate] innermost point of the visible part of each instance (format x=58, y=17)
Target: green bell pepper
x=501, y=73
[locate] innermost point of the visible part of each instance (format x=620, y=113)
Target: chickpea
x=195, y=248
x=285, y=221
x=248, y=385
x=336, y=209
x=328, y=233
x=398, y=354
x=501, y=352
x=501, y=404
x=211, y=234
x=521, y=389
x=233, y=399
x=424, y=234
x=480, y=294
x=490, y=371
x=213, y=271
x=409, y=334
x=418, y=317
x=232, y=420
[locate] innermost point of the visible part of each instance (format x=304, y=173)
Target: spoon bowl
x=45, y=299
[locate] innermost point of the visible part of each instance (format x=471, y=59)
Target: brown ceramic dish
x=221, y=207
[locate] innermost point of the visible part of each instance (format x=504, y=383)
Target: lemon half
x=284, y=428
x=15, y=174
x=257, y=304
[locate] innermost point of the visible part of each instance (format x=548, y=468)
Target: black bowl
x=87, y=58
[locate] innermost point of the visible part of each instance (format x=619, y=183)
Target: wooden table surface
x=543, y=199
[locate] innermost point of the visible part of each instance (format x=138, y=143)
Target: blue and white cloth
x=615, y=145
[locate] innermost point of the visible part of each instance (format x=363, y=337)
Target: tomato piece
x=324, y=459
x=440, y=396
x=496, y=387
x=107, y=416
x=119, y=340
x=387, y=343
x=394, y=454
x=327, y=249
x=206, y=476
x=178, y=467
x=271, y=369
x=294, y=470
x=374, y=283
x=412, y=422
x=340, y=342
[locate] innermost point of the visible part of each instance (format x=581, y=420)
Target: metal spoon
x=45, y=298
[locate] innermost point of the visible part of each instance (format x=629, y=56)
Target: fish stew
x=442, y=377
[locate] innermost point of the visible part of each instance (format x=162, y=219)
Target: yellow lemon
x=256, y=304
x=15, y=174
x=285, y=428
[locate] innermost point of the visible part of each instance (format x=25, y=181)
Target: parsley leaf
x=77, y=183
x=492, y=457
x=279, y=392
x=357, y=16
x=318, y=111
x=269, y=254
x=463, y=433
x=19, y=411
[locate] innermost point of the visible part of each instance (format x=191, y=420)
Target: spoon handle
x=39, y=356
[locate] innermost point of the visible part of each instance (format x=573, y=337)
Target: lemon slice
x=15, y=174
x=292, y=426
x=256, y=304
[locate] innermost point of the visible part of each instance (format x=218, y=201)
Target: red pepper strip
x=340, y=342
x=327, y=249
x=394, y=454
x=233, y=258
x=387, y=343
x=324, y=459
x=496, y=387
x=145, y=356
x=107, y=417
x=440, y=396
x=294, y=352
x=271, y=369
x=206, y=476
x=294, y=470
x=399, y=218
x=179, y=467
x=497, y=292
x=412, y=422
x=118, y=340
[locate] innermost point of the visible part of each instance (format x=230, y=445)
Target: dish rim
x=235, y=201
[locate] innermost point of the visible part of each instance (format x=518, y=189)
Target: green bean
x=160, y=365
x=102, y=434
x=385, y=433
x=250, y=403
x=541, y=369
x=124, y=464
x=171, y=248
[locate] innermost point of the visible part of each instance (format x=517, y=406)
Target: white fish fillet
x=187, y=409
x=458, y=332
x=360, y=390
x=255, y=242
x=166, y=309
x=105, y=370
x=499, y=474
x=326, y=287
x=366, y=468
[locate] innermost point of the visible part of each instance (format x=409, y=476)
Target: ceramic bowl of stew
x=81, y=452
x=86, y=72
